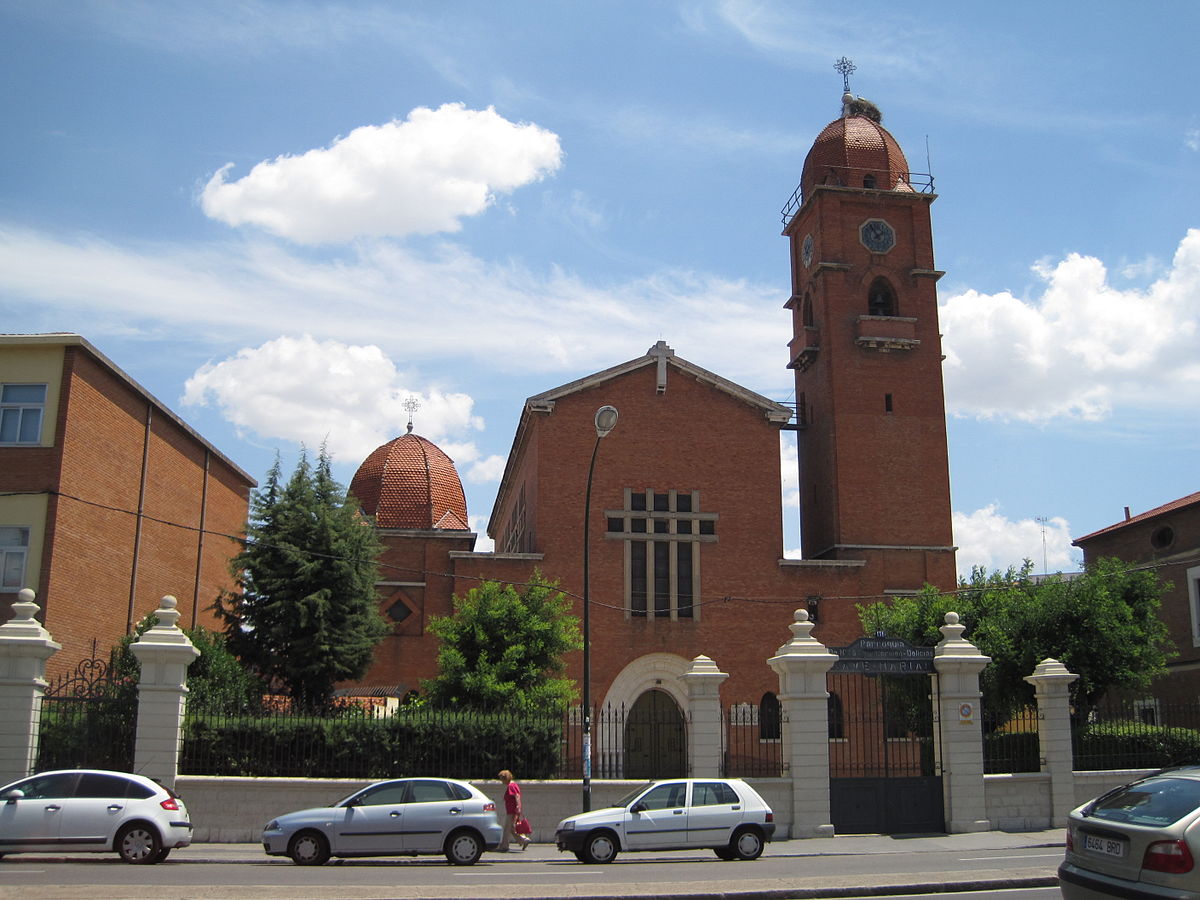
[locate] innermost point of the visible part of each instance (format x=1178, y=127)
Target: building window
x=662, y=531
x=14, y=548
x=1193, y=589
x=881, y=299
x=1162, y=537
x=769, y=718
x=21, y=407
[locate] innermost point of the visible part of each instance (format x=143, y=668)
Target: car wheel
x=309, y=848
x=747, y=844
x=138, y=843
x=724, y=853
x=601, y=847
x=463, y=848
x=163, y=854
x=579, y=856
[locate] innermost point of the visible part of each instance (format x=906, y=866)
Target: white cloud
x=487, y=471
x=419, y=176
x=309, y=391
x=1080, y=348
x=1191, y=138
x=504, y=316
x=987, y=539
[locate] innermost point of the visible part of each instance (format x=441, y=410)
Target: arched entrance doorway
x=655, y=738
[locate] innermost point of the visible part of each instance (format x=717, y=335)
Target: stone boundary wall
x=234, y=810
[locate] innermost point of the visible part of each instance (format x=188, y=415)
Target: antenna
x=412, y=404
x=1042, y=520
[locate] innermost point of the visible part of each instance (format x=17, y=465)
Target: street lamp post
x=606, y=421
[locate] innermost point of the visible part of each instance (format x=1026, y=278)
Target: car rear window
x=1155, y=802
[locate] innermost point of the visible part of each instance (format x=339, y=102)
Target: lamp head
x=606, y=420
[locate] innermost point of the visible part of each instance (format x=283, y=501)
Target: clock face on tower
x=877, y=236
x=806, y=250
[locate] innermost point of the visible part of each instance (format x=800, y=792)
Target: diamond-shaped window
x=399, y=611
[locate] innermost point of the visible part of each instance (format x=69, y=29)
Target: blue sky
x=285, y=219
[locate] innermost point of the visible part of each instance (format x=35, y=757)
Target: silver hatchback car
x=405, y=817
x=725, y=815
x=92, y=810
x=1140, y=840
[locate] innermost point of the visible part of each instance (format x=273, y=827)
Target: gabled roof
x=1173, y=506
x=664, y=359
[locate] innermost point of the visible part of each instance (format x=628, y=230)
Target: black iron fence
x=754, y=741
x=1010, y=741
x=1125, y=733
x=88, y=720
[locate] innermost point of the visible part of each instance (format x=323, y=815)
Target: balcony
x=886, y=333
x=802, y=349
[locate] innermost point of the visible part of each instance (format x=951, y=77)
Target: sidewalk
x=989, y=875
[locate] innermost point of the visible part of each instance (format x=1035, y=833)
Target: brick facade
x=1169, y=537
x=108, y=450
x=875, y=511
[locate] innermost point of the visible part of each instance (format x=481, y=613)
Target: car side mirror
x=638, y=807
x=14, y=795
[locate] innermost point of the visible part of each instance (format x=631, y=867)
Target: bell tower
x=866, y=350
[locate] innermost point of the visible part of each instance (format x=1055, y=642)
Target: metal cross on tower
x=412, y=404
x=845, y=66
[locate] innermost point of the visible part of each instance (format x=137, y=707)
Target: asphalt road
x=811, y=868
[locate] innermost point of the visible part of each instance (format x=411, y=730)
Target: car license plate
x=1108, y=846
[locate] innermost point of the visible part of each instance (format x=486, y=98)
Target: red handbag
x=523, y=826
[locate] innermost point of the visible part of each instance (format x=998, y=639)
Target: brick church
x=685, y=534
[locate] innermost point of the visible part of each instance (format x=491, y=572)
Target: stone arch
x=661, y=672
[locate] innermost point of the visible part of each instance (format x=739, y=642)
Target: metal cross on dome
x=845, y=66
x=412, y=404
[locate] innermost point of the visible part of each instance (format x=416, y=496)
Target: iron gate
x=88, y=720
x=884, y=759
x=655, y=738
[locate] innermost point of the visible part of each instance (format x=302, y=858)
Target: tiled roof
x=1174, y=505
x=850, y=148
x=410, y=483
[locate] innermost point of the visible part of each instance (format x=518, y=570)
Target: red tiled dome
x=410, y=483
x=850, y=149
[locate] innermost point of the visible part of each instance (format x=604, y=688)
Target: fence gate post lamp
x=606, y=421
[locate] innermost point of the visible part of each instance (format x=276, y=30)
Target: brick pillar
x=165, y=653
x=802, y=664
x=1051, y=683
x=705, y=725
x=958, y=663
x=24, y=648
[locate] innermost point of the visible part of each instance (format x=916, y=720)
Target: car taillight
x=489, y=807
x=1172, y=857
x=1070, y=840
x=169, y=803
x=770, y=817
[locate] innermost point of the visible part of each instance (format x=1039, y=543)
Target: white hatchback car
x=92, y=810
x=725, y=815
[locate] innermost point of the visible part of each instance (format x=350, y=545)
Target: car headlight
x=566, y=825
x=273, y=825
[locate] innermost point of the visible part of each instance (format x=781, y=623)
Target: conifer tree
x=502, y=649
x=307, y=615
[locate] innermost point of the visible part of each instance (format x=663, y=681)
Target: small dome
x=855, y=151
x=410, y=483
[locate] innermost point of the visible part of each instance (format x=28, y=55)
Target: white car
x=721, y=814
x=404, y=817
x=92, y=810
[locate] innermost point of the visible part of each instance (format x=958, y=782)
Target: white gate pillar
x=1051, y=684
x=958, y=663
x=705, y=732
x=24, y=648
x=165, y=653
x=801, y=664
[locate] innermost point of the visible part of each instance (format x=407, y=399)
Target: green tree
x=503, y=649
x=307, y=614
x=217, y=681
x=1102, y=624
